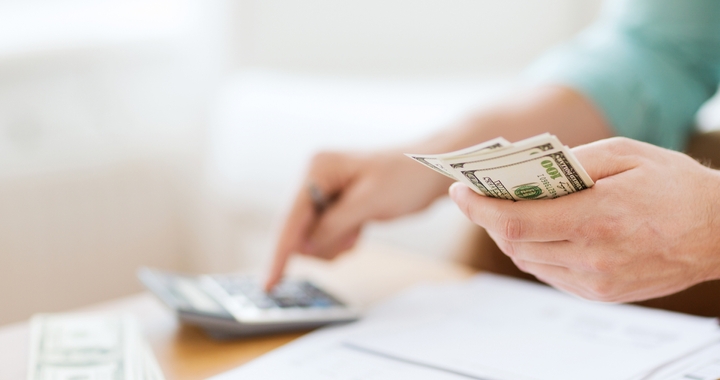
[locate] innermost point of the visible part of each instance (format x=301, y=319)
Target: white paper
x=507, y=328
x=704, y=364
x=494, y=327
x=322, y=356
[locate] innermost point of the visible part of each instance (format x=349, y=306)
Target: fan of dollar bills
x=89, y=347
x=535, y=168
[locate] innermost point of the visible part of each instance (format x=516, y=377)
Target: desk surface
x=364, y=277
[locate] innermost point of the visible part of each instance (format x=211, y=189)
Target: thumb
x=477, y=208
x=605, y=158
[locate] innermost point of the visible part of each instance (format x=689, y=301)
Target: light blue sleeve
x=648, y=65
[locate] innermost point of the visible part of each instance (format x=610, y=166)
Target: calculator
x=236, y=305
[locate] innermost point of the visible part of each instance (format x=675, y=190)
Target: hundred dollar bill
x=435, y=161
x=80, y=347
x=89, y=347
x=535, y=168
x=150, y=365
x=515, y=151
x=550, y=174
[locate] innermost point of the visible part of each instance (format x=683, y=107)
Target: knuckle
x=326, y=255
x=323, y=236
x=602, y=290
x=622, y=145
x=604, y=228
x=599, y=264
x=321, y=158
x=511, y=227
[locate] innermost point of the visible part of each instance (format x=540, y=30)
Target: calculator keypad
x=288, y=294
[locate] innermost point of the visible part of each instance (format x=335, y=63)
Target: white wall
x=102, y=109
x=403, y=37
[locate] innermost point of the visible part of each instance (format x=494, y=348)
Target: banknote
x=551, y=174
x=436, y=161
x=89, y=347
x=539, y=167
x=515, y=151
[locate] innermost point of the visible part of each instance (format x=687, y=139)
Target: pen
x=319, y=199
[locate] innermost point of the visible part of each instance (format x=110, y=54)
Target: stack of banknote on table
x=89, y=347
x=535, y=168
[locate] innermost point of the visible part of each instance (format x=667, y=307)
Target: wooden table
x=364, y=277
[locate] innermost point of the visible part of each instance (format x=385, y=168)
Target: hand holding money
x=351, y=189
x=649, y=227
x=535, y=168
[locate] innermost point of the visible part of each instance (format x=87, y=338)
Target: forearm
x=560, y=111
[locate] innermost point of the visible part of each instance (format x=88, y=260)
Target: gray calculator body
x=234, y=305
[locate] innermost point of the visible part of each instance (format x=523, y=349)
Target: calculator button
x=263, y=302
x=286, y=302
x=286, y=295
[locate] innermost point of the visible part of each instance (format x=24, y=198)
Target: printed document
x=505, y=328
x=493, y=327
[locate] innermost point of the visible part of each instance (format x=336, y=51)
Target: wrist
x=713, y=215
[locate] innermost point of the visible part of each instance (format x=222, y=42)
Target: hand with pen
x=341, y=193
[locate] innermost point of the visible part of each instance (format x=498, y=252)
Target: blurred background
x=173, y=133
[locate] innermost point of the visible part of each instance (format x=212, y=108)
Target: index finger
x=608, y=157
x=294, y=233
x=538, y=220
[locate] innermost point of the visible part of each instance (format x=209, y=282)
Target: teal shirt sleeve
x=648, y=65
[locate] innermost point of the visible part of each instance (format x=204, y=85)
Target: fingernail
x=454, y=189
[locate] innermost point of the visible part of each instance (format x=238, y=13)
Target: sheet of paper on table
x=703, y=364
x=322, y=356
x=493, y=327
